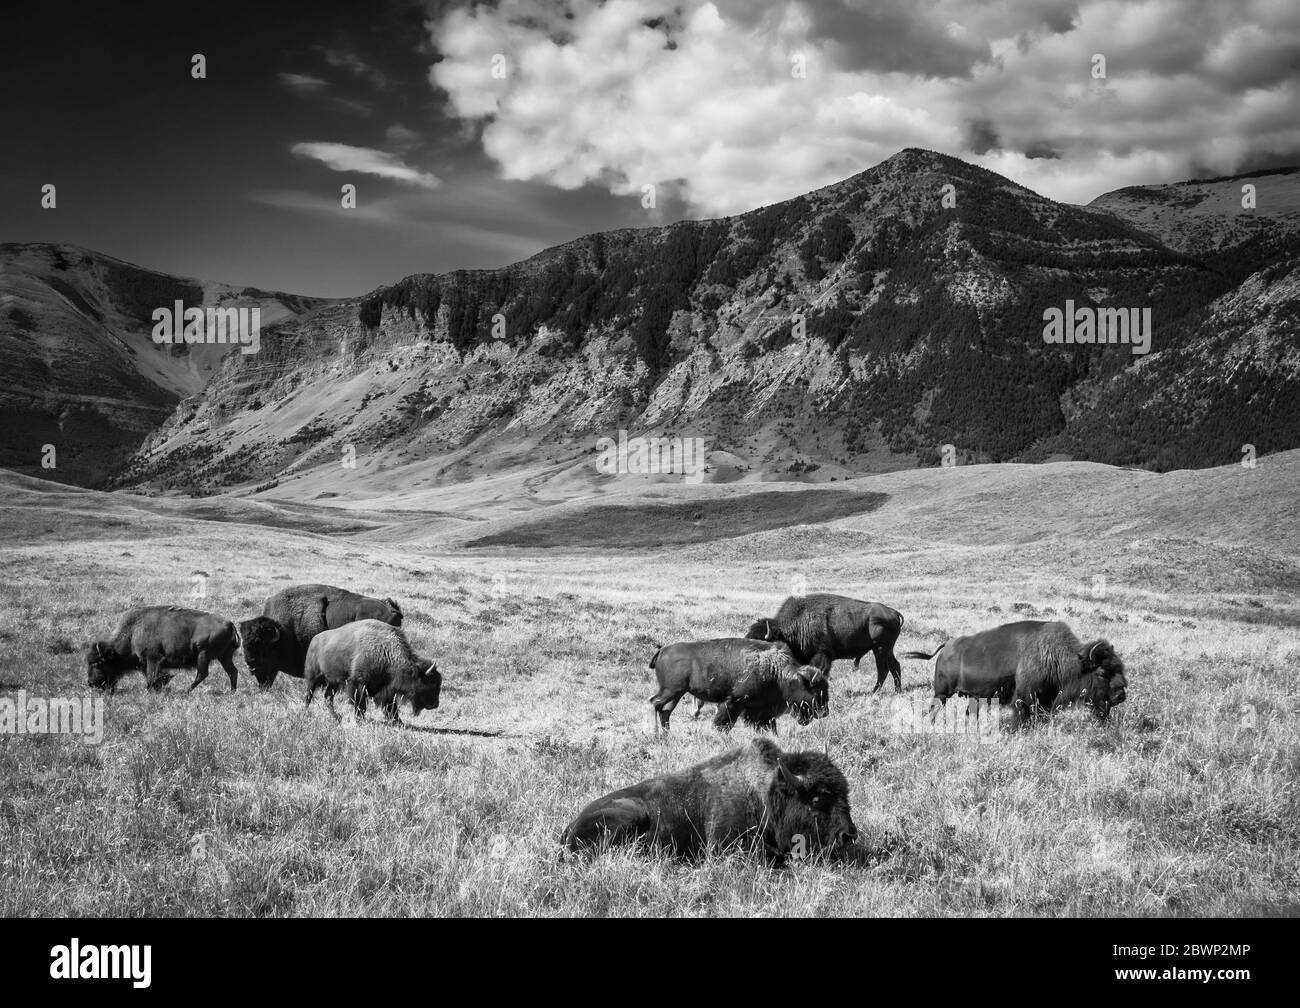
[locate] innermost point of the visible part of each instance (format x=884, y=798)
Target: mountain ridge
x=856, y=328
x=82, y=371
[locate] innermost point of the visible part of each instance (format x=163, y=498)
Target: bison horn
x=789, y=776
x=767, y=633
x=1102, y=646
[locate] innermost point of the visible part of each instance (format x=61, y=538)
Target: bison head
x=808, y=798
x=1109, y=685
x=763, y=629
x=104, y=666
x=806, y=692
x=263, y=640
x=395, y=613
x=424, y=694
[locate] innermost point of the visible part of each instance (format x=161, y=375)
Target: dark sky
x=196, y=177
x=237, y=177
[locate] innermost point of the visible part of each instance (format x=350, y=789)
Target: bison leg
x=887, y=665
x=154, y=676
x=699, y=706
x=882, y=673
x=358, y=698
x=202, y=665
x=663, y=703
x=728, y=710
x=330, y=690
x=1024, y=707
x=228, y=663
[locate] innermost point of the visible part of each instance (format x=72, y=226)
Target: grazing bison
x=754, y=680
x=823, y=628
x=277, y=640
x=157, y=638
x=1036, y=665
x=756, y=799
x=374, y=660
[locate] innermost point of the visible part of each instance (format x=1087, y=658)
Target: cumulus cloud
x=366, y=160
x=704, y=96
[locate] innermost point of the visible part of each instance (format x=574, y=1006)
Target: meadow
x=212, y=803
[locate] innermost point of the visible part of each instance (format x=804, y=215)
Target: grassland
x=245, y=804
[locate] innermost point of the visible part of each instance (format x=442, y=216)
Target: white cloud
x=354, y=64
x=304, y=84
x=366, y=160
x=699, y=95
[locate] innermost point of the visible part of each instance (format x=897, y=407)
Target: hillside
x=81, y=370
x=916, y=317
x=1207, y=214
x=853, y=330
x=1026, y=510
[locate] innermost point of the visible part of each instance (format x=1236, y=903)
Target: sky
x=478, y=134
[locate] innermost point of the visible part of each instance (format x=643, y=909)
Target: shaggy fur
x=754, y=680
x=157, y=638
x=277, y=640
x=1038, y=666
x=375, y=661
x=823, y=628
x=756, y=800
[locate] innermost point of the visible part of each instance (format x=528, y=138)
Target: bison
x=374, y=660
x=277, y=640
x=756, y=799
x=1033, y=664
x=755, y=680
x=822, y=628
x=157, y=638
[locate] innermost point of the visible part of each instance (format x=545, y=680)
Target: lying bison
x=756, y=799
x=277, y=640
x=754, y=680
x=374, y=661
x=157, y=638
x=1035, y=665
x=823, y=628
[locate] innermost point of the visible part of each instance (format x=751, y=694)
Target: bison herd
x=757, y=798
x=330, y=636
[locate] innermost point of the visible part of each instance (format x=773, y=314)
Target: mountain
x=857, y=328
x=82, y=372
x=1208, y=214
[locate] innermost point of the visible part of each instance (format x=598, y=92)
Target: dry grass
x=217, y=804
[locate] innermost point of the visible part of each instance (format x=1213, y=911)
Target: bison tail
x=655, y=657
x=922, y=655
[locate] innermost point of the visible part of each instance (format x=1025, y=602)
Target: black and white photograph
x=652, y=459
